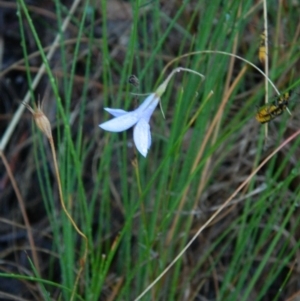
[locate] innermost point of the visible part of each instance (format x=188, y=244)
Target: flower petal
x=142, y=136
x=147, y=101
x=145, y=110
x=120, y=123
x=115, y=112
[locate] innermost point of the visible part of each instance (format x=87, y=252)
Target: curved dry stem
x=162, y=88
x=223, y=53
x=83, y=260
x=44, y=125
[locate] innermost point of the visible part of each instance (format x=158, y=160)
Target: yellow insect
x=270, y=111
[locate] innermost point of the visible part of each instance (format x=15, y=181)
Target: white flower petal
x=124, y=120
x=115, y=112
x=146, y=109
x=142, y=136
x=120, y=123
x=147, y=102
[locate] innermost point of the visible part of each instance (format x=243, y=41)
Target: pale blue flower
x=139, y=118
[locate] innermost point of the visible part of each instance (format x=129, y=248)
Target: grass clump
x=211, y=212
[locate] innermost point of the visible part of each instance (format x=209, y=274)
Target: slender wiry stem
x=223, y=53
x=83, y=260
x=161, y=89
x=44, y=125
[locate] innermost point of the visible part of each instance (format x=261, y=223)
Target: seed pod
x=40, y=119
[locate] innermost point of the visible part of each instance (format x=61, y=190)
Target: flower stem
x=223, y=53
x=162, y=88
